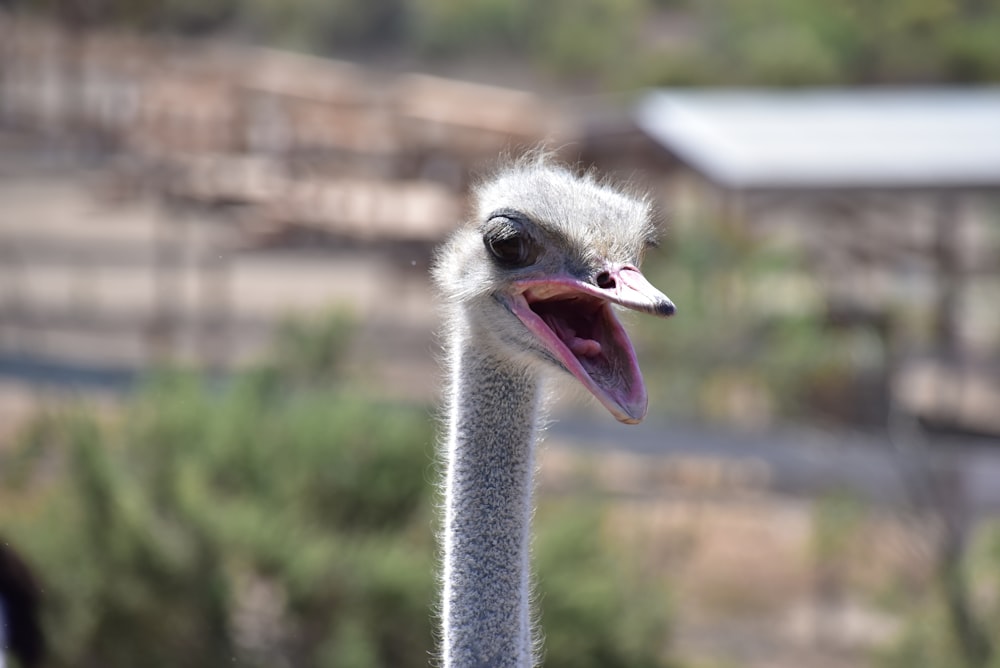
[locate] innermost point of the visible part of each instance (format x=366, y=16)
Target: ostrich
x=528, y=286
x=20, y=630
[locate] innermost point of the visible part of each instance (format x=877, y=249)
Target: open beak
x=576, y=322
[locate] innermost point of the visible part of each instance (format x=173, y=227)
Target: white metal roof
x=832, y=138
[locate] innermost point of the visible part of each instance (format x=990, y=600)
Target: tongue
x=583, y=347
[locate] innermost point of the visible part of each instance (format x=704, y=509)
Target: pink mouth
x=577, y=325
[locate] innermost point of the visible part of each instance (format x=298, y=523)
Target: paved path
x=811, y=461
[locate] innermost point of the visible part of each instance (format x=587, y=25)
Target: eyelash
x=499, y=245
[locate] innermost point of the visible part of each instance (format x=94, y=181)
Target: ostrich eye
x=509, y=243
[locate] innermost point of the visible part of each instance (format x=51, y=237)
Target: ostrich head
x=537, y=274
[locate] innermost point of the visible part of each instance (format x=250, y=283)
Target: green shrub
x=593, y=621
x=447, y=27
x=162, y=516
x=954, y=623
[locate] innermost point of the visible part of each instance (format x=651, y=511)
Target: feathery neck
x=498, y=399
x=490, y=462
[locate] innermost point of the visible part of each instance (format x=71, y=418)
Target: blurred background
x=218, y=362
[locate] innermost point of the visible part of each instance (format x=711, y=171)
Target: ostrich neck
x=490, y=461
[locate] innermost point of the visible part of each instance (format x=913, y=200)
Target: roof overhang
x=831, y=139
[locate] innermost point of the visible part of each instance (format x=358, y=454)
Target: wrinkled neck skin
x=494, y=407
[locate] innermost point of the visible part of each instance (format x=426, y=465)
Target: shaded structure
x=240, y=151
x=892, y=194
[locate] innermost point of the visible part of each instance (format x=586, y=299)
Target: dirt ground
x=750, y=585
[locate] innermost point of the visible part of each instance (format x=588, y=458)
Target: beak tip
x=666, y=308
x=631, y=413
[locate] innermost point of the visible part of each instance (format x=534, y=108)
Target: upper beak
x=625, y=285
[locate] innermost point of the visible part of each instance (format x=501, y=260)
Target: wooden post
x=214, y=296
x=947, y=334
x=162, y=329
x=949, y=265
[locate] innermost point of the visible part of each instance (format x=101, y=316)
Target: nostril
x=605, y=280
